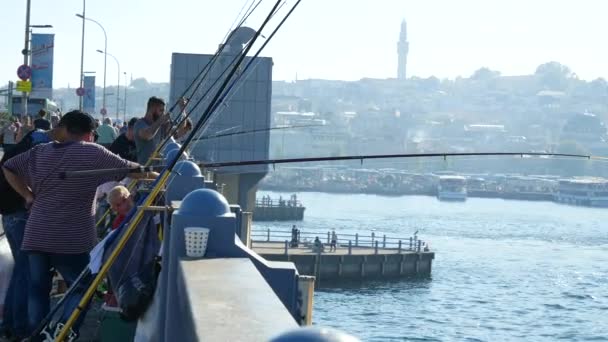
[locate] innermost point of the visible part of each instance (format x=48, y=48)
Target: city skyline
x=337, y=40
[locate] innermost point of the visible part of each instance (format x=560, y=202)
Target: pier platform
x=355, y=257
x=267, y=209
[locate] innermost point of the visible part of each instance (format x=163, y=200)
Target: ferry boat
x=591, y=192
x=528, y=188
x=452, y=188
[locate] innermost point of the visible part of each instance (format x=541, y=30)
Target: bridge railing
x=351, y=241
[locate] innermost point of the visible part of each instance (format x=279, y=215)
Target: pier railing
x=283, y=240
x=275, y=203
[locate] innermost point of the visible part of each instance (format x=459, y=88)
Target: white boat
x=452, y=188
x=591, y=192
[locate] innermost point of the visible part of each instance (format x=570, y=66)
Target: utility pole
x=9, y=98
x=124, y=112
x=84, y=3
x=26, y=52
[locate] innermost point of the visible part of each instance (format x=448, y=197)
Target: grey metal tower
x=402, y=49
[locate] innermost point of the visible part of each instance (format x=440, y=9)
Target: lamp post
x=83, y=16
x=26, y=51
x=105, y=58
x=124, y=100
x=118, y=86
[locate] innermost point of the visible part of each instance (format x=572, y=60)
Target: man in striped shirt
x=60, y=231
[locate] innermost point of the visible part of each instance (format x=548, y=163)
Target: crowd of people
x=50, y=222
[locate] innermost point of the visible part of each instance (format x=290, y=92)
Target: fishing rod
x=245, y=69
x=202, y=75
x=210, y=63
x=221, y=135
x=181, y=119
x=252, y=59
x=161, y=180
x=100, y=172
x=204, y=96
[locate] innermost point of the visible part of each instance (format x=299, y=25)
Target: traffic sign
x=80, y=91
x=24, y=72
x=24, y=86
x=103, y=111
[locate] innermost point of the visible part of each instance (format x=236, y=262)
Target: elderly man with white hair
x=107, y=133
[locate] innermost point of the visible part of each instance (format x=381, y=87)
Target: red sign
x=80, y=91
x=24, y=72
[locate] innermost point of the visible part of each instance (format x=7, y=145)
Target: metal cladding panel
x=246, y=108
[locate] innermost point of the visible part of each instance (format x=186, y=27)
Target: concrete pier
x=350, y=263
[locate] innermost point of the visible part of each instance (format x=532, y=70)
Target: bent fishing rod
x=158, y=184
x=212, y=86
x=103, y=172
x=182, y=119
x=275, y=128
x=240, y=75
x=205, y=71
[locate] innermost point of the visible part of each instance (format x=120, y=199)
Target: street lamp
x=105, y=58
x=83, y=16
x=26, y=49
x=124, y=111
x=118, y=86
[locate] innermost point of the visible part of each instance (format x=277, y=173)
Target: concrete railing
x=372, y=240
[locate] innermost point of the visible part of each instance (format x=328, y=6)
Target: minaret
x=402, y=50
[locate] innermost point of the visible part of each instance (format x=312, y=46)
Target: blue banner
x=42, y=65
x=88, y=101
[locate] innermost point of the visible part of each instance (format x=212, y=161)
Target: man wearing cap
x=60, y=231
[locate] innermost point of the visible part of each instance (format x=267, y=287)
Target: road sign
x=103, y=111
x=80, y=91
x=24, y=72
x=24, y=86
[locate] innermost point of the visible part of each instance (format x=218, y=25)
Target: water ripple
x=504, y=270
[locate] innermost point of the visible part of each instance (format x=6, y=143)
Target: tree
x=485, y=74
x=598, y=87
x=553, y=75
x=140, y=83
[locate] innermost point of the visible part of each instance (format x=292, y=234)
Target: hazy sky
x=331, y=39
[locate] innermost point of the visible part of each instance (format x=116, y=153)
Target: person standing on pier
x=334, y=241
